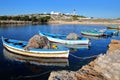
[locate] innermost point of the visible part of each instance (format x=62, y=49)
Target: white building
x=55, y=13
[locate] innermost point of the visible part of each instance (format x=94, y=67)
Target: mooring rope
x=32, y=76
x=84, y=57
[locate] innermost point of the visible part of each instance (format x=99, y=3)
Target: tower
x=74, y=12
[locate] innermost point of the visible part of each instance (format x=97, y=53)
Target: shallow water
x=16, y=67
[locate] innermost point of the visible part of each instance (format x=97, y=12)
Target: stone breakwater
x=104, y=67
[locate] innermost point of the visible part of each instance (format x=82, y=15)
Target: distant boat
x=111, y=32
x=62, y=62
x=63, y=40
x=92, y=33
x=17, y=47
x=112, y=27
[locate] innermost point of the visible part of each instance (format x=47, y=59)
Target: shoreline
x=86, y=22
x=104, y=67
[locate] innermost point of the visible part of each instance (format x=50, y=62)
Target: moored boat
x=112, y=27
x=80, y=41
x=17, y=47
x=92, y=33
x=54, y=35
x=111, y=32
x=62, y=62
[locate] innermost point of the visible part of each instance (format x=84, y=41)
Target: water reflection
x=37, y=61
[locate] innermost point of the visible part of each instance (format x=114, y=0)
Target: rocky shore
x=104, y=67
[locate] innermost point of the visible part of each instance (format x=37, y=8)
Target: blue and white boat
x=111, y=32
x=62, y=62
x=92, y=33
x=17, y=47
x=113, y=27
x=54, y=35
x=63, y=40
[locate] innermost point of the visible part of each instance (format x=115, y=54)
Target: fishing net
x=72, y=36
x=38, y=41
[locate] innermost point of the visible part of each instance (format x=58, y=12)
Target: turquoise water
x=16, y=67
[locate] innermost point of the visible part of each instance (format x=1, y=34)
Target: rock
x=114, y=45
x=115, y=42
x=62, y=75
x=119, y=27
x=91, y=64
x=85, y=73
x=72, y=36
x=109, y=65
x=104, y=67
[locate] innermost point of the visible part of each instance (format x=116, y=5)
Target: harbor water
x=18, y=67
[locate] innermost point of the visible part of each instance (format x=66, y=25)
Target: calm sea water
x=15, y=67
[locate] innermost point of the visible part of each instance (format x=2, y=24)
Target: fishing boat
x=63, y=40
x=17, y=47
x=112, y=27
x=111, y=32
x=62, y=62
x=92, y=33
x=54, y=35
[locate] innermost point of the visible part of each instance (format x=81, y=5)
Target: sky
x=88, y=8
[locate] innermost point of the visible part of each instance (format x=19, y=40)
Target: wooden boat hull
x=92, y=34
x=83, y=41
x=111, y=32
x=64, y=53
x=113, y=27
x=37, y=61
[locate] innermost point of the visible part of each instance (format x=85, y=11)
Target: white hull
x=10, y=44
x=64, y=41
x=38, y=61
x=63, y=54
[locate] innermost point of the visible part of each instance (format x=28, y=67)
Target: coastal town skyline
x=98, y=9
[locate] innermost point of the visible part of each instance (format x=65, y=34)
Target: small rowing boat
x=92, y=33
x=62, y=62
x=113, y=27
x=17, y=46
x=80, y=41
